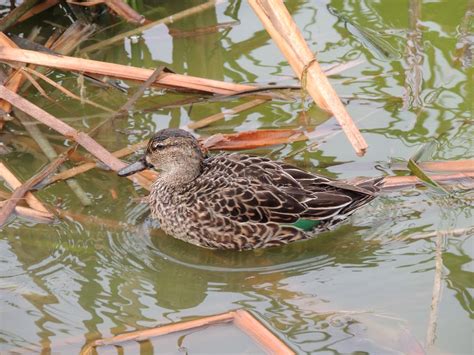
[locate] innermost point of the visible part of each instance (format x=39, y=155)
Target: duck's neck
x=179, y=176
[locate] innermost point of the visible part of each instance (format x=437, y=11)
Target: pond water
x=368, y=286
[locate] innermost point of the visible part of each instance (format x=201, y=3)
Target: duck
x=241, y=202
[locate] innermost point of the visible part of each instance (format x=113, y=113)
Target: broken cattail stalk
x=281, y=27
x=37, y=86
x=141, y=90
x=63, y=43
x=13, y=83
x=70, y=39
x=168, y=80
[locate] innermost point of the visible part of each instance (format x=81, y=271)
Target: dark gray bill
x=133, y=168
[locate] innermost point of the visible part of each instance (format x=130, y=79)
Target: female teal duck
x=236, y=201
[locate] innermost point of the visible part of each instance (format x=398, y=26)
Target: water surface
x=367, y=286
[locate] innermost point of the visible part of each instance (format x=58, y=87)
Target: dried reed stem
x=19, y=192
x=218, y=116
x=168, y=80
x=241, y=318
x=88, y=166
x=165, y=21
x=13, y=82
x=38, y=9
x=80, y=137
x=397, y=182
x=14, y=183
x=121, y=8
x=12, y=17
x=29, y=213
x=51, y=154
x=436, y=294
x=281, y=27
x=64, y=90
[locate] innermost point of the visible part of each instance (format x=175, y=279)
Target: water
x=367, y=286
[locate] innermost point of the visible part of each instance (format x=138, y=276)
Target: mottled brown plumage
x=236, y=201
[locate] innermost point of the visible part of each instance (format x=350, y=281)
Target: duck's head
x=175, y=152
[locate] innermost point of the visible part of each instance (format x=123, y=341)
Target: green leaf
x=420, y=174
x=415, y=169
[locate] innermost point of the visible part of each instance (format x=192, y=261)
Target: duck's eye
x=157, y=146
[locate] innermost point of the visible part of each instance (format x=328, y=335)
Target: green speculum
x=306, y=224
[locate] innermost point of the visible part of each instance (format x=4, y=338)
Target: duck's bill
x=133, y=168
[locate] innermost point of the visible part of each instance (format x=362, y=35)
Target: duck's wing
x=271, y=172
x=262, y=192
x=245, y=200
x=282, y=174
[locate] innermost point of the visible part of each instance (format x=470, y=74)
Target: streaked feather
x=245, y=202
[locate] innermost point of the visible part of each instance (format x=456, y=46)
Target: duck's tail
x=368, y=191
x=362, y=191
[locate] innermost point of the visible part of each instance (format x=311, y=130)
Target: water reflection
x=94, y=281
x=114, y=278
